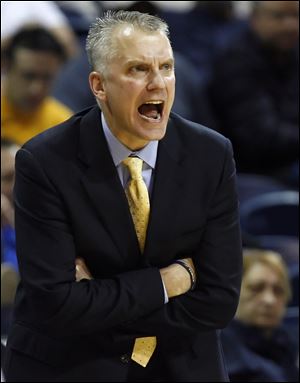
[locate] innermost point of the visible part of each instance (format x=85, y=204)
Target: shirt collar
x=119, y=151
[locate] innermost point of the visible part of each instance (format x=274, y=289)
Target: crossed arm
x=175, y=278
x=123, y=302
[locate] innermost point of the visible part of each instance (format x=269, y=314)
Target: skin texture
x=277, y=23
x=263, y=298
x=176, y=279
x=34, y=73
x=142, y=70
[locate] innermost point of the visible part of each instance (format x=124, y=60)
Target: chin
x=287, y=45
x=268, y=323
x=155, y=136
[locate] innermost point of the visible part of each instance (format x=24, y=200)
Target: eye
x=256, y=288
x=138, y=68
x=167, y=67
x=29, y=76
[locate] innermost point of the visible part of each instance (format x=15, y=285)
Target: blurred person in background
x=16, y=15
x=33, y=59
x=255, y=92
x=8, y=251
x=9, y=264
x=257, y=347
x=203, y=31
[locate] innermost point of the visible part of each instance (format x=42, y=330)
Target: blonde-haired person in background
x=256, y=346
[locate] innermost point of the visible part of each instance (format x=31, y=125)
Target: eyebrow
x=145, y=62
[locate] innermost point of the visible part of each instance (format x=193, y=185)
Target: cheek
x=170, y=82
x=125, y=92
x=171, y=88
x=249, y=304
x=275, y=29
x=19, y=89
x=131, y=85
x=281, y=307
x=23, y=88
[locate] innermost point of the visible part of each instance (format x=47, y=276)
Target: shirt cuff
x=165, y=292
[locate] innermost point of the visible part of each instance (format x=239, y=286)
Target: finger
x=80, y=274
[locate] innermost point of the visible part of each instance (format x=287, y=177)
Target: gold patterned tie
x=139, y=205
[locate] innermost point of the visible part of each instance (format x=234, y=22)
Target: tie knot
x=134, y=165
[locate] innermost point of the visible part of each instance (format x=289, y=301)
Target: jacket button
x=125, y=358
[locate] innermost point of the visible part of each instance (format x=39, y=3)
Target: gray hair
x=99, y=43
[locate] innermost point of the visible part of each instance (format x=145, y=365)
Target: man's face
x=29, y=78
x=263, y=299
x=138, y=90
x=277, y=23
x=7, y=171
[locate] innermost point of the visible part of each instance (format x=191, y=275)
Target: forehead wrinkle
x=148, y=60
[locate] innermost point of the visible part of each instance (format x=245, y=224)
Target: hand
x=82, y=271
x=176, y=279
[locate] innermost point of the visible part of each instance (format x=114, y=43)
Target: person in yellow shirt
x=32, y=61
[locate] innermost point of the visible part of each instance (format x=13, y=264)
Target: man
x=152, y=286
x=257, y=347
x=255, y=91
x=33, y=59
x=77, y=94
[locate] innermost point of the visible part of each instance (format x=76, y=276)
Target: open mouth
x=152, y=110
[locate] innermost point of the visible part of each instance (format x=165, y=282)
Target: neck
x=131, y=142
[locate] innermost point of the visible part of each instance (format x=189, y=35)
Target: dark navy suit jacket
x=70, y=203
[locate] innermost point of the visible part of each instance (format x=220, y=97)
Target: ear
x=97, y=85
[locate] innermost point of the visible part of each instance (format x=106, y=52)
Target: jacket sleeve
x=46, y=254
x=218, y=263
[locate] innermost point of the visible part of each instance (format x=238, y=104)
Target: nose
x=269, y=297
x=38, y=88
x=156, y=81
x=291, y=23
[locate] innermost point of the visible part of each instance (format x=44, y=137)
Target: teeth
x=154, y=102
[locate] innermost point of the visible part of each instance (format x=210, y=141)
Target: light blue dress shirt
x=119, y=152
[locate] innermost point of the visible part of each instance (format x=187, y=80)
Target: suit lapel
x=103, y=186
x=167, y=193
x=104, y=189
